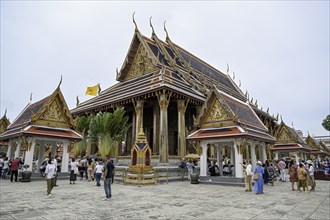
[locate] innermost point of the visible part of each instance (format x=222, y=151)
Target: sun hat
x=259, y=162
x=309, y=162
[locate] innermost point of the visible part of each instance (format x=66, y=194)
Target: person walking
x=73, y=171
x=310, y=176
x=259, y=183
x=98, y=172
x=248, y=178
x=50, y=173
x=14, y=169
x=190, y=167
x=109, y=167
x=301, y=177
x=2, y=162
x=90, y=169
x=5, y=168
x=182, y=167
x=293, y=174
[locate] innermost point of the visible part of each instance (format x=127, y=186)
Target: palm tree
x=83, y=128
x=107, y=129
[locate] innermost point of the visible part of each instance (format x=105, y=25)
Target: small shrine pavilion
x=4, y=123
x=317, y=151
x=289, y=144
x=43, y=129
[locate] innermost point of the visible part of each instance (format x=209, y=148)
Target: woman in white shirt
x=311, y=179
x=50, y=176
x=98, y=173
x=73, y=171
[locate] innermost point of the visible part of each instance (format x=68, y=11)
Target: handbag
x=75, y=170
x=255, y=176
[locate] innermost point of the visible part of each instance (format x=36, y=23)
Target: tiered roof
x=48, y=117
x=227, y=117
x=315, y=146
x=288, y=139
x=152, y=65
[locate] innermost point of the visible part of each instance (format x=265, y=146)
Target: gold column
x=181, y=127
x=139, y=116
x=163, y=100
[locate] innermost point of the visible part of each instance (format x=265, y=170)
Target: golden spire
x=153, y=31
x=58, y=87
x=167, y=37
x=136, y=28
x=77, y=101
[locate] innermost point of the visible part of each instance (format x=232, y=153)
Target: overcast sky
x=278, y=50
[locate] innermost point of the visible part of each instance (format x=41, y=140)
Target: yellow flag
x=92, y=90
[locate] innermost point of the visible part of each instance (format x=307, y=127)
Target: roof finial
x=77, y=101
x=167, y=37
x=267, y=110
x=281, y=118
x=31, y=97
x=239, y=83
x=117, y=71
x=60, y=82
x=233, y=75
x=277, y=117
x=5, y=113
x=136, y=28
x=227, y=68
x=153, y=31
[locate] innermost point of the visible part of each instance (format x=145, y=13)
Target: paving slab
x=176, y=200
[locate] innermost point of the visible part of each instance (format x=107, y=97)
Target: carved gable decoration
x=284, y=135
x=217, y=112
x=141, y=64
x=53, y=113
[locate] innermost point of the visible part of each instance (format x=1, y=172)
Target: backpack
x=182, y=164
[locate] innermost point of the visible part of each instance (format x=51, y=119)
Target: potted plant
x=26, y=175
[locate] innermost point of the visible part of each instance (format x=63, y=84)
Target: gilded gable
x=53, y=113
x=284, y=135
x=217, y=112
x=141, y=64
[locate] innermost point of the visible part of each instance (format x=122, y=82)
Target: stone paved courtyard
x=176, y=200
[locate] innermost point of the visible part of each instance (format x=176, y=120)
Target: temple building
x=167, y=91
x=317, y=152
x=4, y=123
x=43, y=129
x=289, y=144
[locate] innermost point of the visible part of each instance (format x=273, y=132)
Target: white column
x=238, y=160
x=219, y=158
x=232, y=156
x=253, y=155
x=18, y=148
x=29, y=154
x=10, y=149
x=296, y=155
x=276, y=155
x=203, y=170
x=41, y=155
x=65, y=156
x=263, y=152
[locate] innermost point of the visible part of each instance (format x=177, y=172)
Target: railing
x=160, y=173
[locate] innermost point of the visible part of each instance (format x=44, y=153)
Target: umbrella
x=281, y=164
x=193, y=156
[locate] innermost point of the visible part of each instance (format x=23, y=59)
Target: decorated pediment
x=284, y=135
x=141, y=64
x=4, y=123
x=54, y=113
x=215, y=111
x=312, y=143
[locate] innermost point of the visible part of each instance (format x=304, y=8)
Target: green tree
x=83, y=128
x=107, y=129
x=326, y=123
